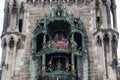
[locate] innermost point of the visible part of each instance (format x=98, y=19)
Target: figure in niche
x=114, y=63
x=11, y=42
x=4, y=43
x=56, y=37
x=49, y=44
x=62, y=37
x=114, y=45
x=22, y=7
x=59, y=65
x=79, y=49
x=49, y=69
x=106, y=42
x=18, y=45
x=67, y=65
x=99, y=42
x=55, y=40
x=73, y=43
x=76, y=22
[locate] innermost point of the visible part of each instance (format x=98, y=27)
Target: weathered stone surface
x=16, y=62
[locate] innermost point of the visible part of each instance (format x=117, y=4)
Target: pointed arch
x=39, y=42
x=99, y=41
x=4, y=43
x=114, y=46
x=11, y=42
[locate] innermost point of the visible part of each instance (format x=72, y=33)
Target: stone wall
x=16, y=61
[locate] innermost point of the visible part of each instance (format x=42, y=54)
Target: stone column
x=72, y=57
x=83, y=42
x=33, y=46
x=79, y=67
x=44, y=41
x=85, y=67
x=108, y=14
x=43, y=64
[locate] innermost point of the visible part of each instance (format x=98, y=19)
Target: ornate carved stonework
x=59, y=40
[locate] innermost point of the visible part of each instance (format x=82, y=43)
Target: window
x=20, y=25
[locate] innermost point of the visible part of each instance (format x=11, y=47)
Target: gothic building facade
x=59, y=40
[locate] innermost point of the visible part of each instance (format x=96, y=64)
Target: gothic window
x=11, y=42
x=98, y=20
x=99, y=42
x=39, y=42
x=20, y=25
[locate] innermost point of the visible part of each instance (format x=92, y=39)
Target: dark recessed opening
x=78, y=40
x=39, y=44
x=20, y=25
x=56, y=58
x=59, y=27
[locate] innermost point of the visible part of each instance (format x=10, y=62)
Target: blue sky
x=2, y=15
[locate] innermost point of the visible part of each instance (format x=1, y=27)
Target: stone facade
x=101, y=36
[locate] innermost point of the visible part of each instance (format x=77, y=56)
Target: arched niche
x=59, y=27
x=58, y=61
x=19, y=44
x=99, y=41
x=106, y=40
x=11, y=42
x=4, y=43
x=114, y=46
x=39, y=42
x=78, y=38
